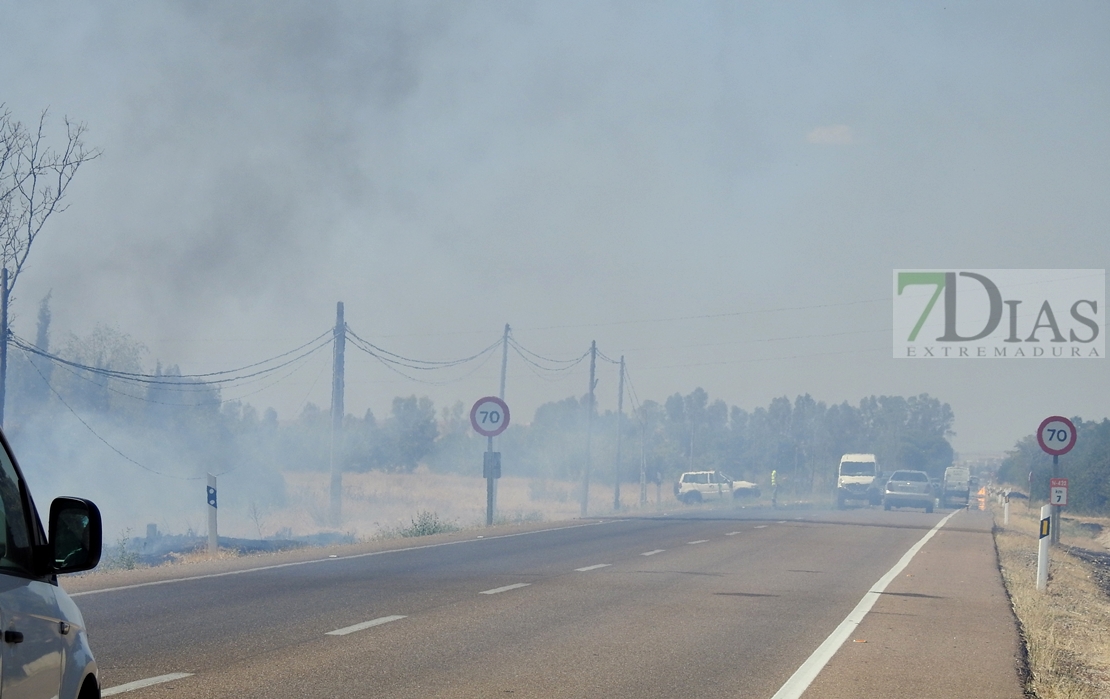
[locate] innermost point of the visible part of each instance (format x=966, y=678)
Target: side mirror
x=76, y=535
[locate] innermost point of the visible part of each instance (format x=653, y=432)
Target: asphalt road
x=723, y=603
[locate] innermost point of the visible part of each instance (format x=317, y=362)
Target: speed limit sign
x=490, y=416
x=1056, y=435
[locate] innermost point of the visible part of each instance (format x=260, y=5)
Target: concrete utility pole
x=643, y=465
x=501, y=395
x=620, y=415
x=338, y=345
x=589, y=429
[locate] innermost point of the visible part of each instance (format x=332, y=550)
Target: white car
x=697, y=486
x=45, y=650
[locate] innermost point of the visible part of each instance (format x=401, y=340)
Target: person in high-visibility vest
x=774, y=488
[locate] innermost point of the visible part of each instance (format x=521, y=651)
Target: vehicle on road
x=46, y=648
x=908, y=489
x=957, y=487
x=698, y=486
x=859, y=479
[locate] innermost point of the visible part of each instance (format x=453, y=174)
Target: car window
x=702, y=478
x=15, y=548
x=909, y=476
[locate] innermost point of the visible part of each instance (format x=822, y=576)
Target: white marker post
x=213, y=538
x=1042, y=547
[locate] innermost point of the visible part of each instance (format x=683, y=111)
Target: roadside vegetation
x=1066, y=629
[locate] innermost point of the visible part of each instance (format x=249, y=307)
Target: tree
x=33, y=181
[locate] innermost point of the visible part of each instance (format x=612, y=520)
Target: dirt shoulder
x=1064, y=627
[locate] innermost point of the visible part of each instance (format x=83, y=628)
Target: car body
x=46, y=651
x=908, y=489
x=858, y=478
x=698, y=486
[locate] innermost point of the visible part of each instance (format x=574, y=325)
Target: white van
x=45, y=649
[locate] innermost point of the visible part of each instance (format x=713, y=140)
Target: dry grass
x=1066, y=629
x=376, y=503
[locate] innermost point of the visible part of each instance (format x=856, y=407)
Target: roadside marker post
x=490, y=417
x=1042, y=547
x=213, y=538
x=1056, y=435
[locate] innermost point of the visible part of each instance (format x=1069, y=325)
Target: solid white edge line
x=804, y=675
x=652, y=553
x=364, y=625
x=324, y=560
x=497, y=590
x=593, y=567
x=139, y=684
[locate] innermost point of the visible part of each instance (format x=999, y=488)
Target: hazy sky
x=580, y=170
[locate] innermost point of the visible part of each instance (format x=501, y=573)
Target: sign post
x=1056, y=435
x=490, y=417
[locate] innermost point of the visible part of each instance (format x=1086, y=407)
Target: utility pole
x=3, y=341
x=643, y=465
x=620, y=416
x=492, y=495
x=338, y=345
x=589, y=429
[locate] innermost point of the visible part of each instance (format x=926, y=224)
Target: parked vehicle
x=908, y=489
x=860, y=479
x=697, y=486
x=46, y=649
x=957, y=486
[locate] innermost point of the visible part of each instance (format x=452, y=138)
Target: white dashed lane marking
x=593, y=567
x=695, y=543
x=497, y=590
x=731, y=533
x=652, y=553
x=139, y=684
x=364, y=625
x=761, y=526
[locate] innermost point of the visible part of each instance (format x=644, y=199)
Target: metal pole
x=1055, y=510
x=489, y=484
x=1006, y=512
x=1042, y=547
x=620, y=416
x=338, y=345
x=589, y=429
x=213, y=536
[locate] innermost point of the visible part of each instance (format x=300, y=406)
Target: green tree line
x=1086, y=466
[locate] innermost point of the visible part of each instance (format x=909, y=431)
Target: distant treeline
x=182, y=426
x=1087, y=468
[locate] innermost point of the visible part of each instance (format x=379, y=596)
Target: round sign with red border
x=1056, y=435
x=490, y=416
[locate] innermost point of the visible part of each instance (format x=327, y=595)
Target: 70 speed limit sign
x=490, y=416
x=1056, y=435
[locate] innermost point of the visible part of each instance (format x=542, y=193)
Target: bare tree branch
x=33, y=181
